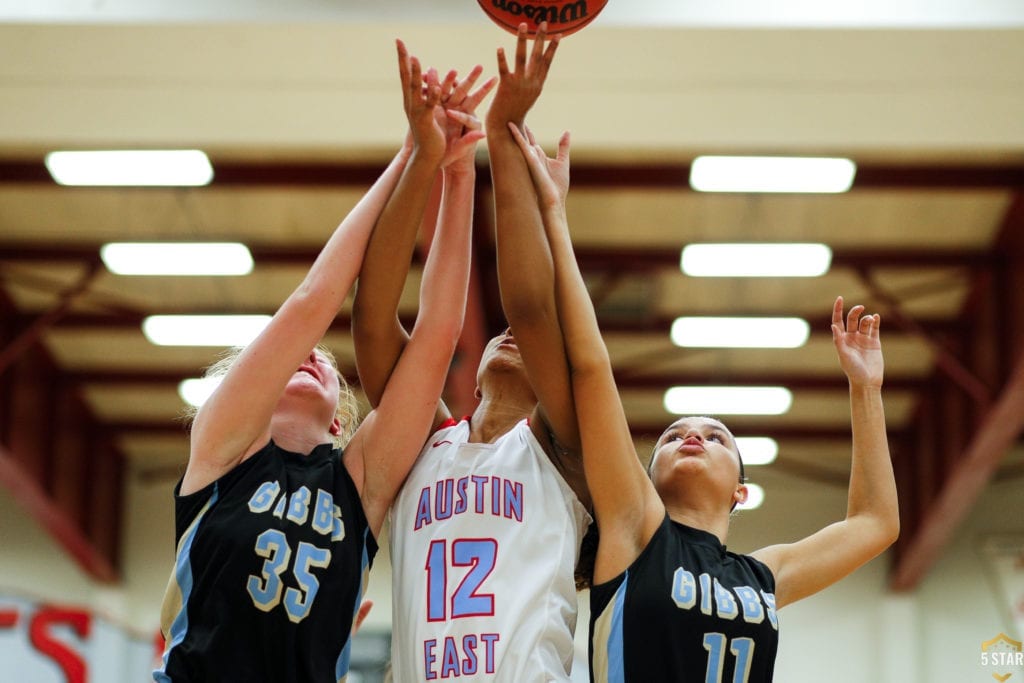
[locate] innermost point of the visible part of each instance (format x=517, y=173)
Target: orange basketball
x=563, y=16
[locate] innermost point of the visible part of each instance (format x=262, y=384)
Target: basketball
x=563, y=16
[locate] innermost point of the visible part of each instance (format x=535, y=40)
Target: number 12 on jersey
x=467, y=600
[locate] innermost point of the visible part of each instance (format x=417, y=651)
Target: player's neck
x=496, y=415
x=706, y=518
x=294, y=432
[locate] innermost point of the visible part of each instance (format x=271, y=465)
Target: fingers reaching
x=529, y=135
x=855, y=320
x=563, y=148
x=502, y=63
x=448, y=86
x=518, y=135
x=550, y=175
x=837, y=311
x=460, y=89
x=415, y=77
x=549, y=54
x=472, y=101
x=856, y=338
x=521, y=39
x=403, y=68
x=538, y=41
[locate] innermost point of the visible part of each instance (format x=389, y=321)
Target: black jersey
x=686, y=611
x=271, y=563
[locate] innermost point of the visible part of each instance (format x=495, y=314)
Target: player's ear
x=739, y=496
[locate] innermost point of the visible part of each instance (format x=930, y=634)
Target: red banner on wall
x=43, y=643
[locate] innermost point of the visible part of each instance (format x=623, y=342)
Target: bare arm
x=872, y=518
x=525, y=270
x=377, y=332
x=227, y=430
x=389, y=440
x=626, y=505
x=391, y=437
x=379, y=336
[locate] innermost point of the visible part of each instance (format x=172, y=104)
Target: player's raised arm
x=378, y=335
x=388, y=441
x=525, y=271
x=872, y=517
x=227, y=430
x=626, y=506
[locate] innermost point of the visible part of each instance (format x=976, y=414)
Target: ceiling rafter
x=948, y=495
x=618, y=258
x=624, y=380
x=608, y=262
x=68, y=476
x=125, y=320
x=283, y=173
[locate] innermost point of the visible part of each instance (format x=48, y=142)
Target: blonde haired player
x=276, y=526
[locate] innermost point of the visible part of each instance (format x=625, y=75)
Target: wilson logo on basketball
x=563, y=16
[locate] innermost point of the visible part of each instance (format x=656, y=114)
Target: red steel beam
x=1000, y=430
x=48, y=440
x=624, y=380
x=744, y=427
x=946, y=361
x=28, y=492
x=121, y=320
x=31, y=336
x=1000, y=427
x=229, y=172
x=616, y=259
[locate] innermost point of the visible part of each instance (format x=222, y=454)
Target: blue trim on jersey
x=183, y=577
x=616, y=658
x=341, y=668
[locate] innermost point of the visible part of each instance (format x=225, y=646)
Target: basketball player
x=276, y=525
x=669, y=602
x=486, y=530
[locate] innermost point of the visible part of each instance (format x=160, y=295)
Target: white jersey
x=484, y=542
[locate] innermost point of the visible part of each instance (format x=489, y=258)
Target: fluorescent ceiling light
x=757, y=450
x=728, y=400
x=177, y=258
x=195, y=391
x=203, y=330
x=162, y=168
x=771, y=174
x=756, y=260
x=755, y=496
x=740, y=333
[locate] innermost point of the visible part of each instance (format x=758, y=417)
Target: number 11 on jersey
x=741, y=648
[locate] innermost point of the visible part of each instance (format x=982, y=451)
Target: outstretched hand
x=420, y=98
x=518, y=90
x=858, y=345
x=463, y=129
x=550, y=175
